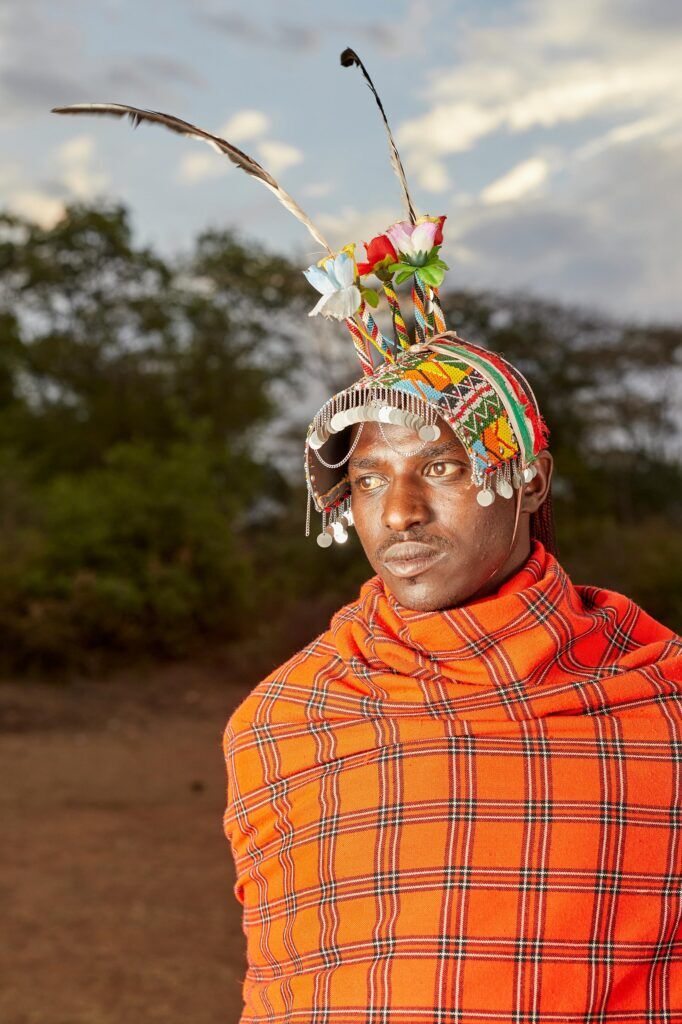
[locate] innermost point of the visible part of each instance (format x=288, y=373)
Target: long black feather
x=349, y=58
x=175, y=124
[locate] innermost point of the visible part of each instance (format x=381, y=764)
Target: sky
x=548, y=132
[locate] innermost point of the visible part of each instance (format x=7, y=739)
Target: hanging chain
x=337, y=465
x=399, y=451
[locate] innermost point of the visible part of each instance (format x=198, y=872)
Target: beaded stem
x=372, y=340
x=399, y=328
x=438, y=312
x=362, y=348
x=374, y=333
x=420, y=320
x=430, y=316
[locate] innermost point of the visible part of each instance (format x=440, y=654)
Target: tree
x=133, y=391
x=137, y=514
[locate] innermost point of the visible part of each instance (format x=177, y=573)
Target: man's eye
x=442, y=469
x=367, y=483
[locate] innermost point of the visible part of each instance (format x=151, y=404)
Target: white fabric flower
x=340, y=296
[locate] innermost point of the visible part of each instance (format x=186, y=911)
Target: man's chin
x=416, y=594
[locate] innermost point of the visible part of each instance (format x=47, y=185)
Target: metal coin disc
x=485, y=498
x=316, y=440
x=339, y=532
x=529, y=473
x=505, y=489
x=412, y=420
x=429, y=432
x=324, y=539
x=338, y=422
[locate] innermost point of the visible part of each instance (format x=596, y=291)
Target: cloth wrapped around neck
x=472, y=812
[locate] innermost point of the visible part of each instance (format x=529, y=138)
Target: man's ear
x=535, y=492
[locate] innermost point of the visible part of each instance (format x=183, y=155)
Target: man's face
x=420, y=524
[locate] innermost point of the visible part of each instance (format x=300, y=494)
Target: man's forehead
x=373, y=446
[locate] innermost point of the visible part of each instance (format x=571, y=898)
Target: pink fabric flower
x=415, y=241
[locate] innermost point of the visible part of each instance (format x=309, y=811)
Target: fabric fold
x=470, y=814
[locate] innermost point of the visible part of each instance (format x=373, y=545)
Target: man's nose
x=404, y=505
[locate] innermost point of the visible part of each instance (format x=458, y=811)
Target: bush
x=143, y=555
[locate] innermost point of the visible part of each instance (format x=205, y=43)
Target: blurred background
x=158, y=370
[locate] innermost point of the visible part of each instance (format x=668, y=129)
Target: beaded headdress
x=417, y=379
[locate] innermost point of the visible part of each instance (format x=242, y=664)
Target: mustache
x=417, y=537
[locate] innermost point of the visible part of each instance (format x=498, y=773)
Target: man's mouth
x=408, y=558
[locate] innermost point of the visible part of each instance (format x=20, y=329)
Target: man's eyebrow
x=430, y=452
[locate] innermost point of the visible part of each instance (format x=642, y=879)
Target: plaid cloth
x=465, y=816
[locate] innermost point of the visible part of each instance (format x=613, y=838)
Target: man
x=461, y=802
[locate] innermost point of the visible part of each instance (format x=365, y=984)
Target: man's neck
x=515, y=561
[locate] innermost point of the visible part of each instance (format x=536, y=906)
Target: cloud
x=317, y=189
x=354, y=225
x=34, y=88
x=433, y=177
x=278, y=156
x=74, y=175
x=555, y=65
x=598, y=242
x=519, y=181
x=403, y=33
x=145, y=72
x=196, y=167
x=45, y=62
x=37, y=206
x=598, y=86
x=245, y=125
x=659, y=126
x=449, y=127
x=78, y=173
x=288, y=35
x=445, y=129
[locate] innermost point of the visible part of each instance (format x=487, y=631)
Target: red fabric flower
x=377, y=250
x=438, y=239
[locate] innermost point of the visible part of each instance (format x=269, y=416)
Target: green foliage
x=140, y=555
x=131, y=398
x=136, y=516
x=116, y=346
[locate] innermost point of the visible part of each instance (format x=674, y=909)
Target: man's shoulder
x=293, y=681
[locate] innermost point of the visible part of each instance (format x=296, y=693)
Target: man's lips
x=408, y=558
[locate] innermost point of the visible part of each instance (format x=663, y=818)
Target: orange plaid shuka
x=465, y=816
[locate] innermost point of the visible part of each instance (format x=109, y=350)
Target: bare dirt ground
x=115, y=876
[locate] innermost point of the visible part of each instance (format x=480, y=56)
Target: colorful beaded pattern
x=476, y=392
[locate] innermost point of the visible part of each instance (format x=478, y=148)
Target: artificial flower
x=414, y=242
x=335, y=280
x=379, y=250
x=438, y=240
x=418, y=246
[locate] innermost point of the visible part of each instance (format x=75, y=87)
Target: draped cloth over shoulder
x=469, y=815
